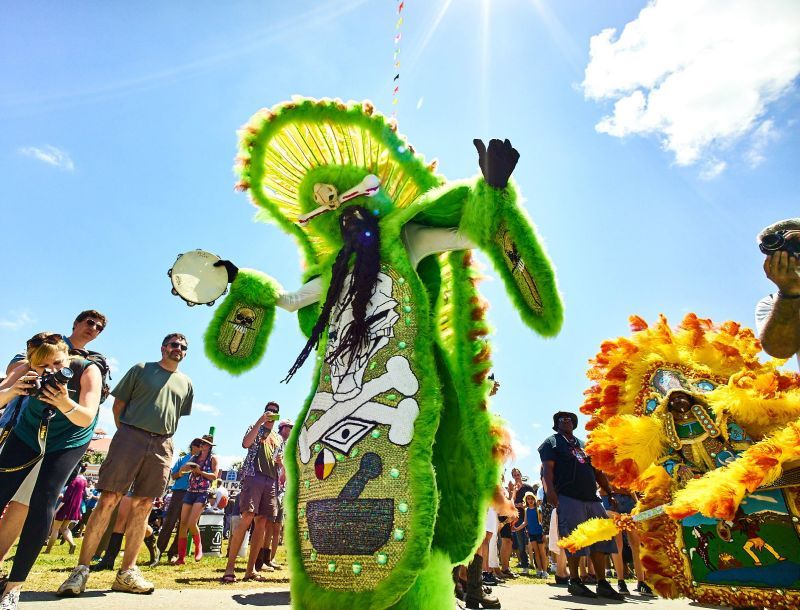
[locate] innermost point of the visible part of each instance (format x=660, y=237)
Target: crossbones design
x=344, y=423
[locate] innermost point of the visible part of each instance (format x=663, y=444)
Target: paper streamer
x=397, y=37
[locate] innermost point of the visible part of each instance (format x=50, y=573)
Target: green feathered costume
x=397, y=456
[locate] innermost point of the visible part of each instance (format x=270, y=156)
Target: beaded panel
x=354, y=503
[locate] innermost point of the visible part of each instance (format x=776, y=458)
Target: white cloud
x=106, y=419
x=50, y=155
x=113, y=365
x=17, y=320
x=520, y=449
x=712, y=169
x=206, y=408
x=762, y=137
x=698, y=74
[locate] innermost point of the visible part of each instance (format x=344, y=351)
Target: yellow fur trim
x=625, y=446
x=588, y=533
x=760, y=401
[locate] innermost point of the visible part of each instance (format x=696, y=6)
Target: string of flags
x=397, y=37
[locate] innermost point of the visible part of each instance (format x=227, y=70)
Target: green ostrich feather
x=392, y=543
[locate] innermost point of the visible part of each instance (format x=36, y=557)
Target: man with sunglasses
x=86, y=328
x=148, y=402
x=778, y=314
x=570, y=482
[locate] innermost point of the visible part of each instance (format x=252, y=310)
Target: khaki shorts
x=136, y=460
x=260, y=496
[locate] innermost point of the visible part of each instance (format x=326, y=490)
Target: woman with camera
x=202, y=470
x=54, y=426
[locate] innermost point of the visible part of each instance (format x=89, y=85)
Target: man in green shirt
x=148, y=402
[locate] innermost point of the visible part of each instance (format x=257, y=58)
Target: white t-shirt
x=763, y=311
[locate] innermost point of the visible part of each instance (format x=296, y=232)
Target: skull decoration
x=347, y=374
x=326, y=195
x=242, y=322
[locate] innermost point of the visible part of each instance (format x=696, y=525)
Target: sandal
x=255, y=576
x=228, y=579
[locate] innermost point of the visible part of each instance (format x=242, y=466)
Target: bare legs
x=237, y=537
x=97, y=525
x=11, y=526
x=135, y=530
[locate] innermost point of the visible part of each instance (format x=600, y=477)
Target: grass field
x=51, y=570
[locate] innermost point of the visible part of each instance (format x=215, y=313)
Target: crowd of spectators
x=49, y=405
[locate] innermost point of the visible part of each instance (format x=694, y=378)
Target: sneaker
x=562, y=580
x=622, y=587
x=525, y=571
x=604, y=589
x=132, y=581
x=156, y=557
x=543, y=574
x=75, y=583
x=642, y=588
x=489, y=579
x=580, y=589
x=10, y=600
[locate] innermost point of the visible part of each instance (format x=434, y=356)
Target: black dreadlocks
x=361, y=237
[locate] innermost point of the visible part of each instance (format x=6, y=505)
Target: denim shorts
x=625, y=503
x=195, y=497
x=573, y=512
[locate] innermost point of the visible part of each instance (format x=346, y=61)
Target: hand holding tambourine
x=237, y=336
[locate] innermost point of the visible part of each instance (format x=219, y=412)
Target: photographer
x=778, y=315
x=67, y=412
x=259, y=496
x=86, y=328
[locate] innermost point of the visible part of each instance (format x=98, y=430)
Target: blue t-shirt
x=183, y=482
x=532, y=517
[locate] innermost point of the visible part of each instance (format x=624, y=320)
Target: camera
x=50, y=380
x=777, y=241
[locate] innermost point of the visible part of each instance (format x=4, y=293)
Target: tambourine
x=196, y=280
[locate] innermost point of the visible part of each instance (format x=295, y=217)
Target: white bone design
x=398, y=376
x=367, y=187
x=348, y=369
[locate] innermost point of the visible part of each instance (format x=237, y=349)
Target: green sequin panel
x=390, y=489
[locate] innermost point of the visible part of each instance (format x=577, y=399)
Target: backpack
x=105, y=370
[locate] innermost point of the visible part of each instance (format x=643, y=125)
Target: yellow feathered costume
x=741, y=436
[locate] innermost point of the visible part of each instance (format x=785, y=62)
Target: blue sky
x=650, y=158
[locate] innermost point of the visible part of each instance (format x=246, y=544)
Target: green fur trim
x=423, y=491
x=266, y=124
x=489, y=211
x=254, y=291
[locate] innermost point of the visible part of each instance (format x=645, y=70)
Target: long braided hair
x=361, y=237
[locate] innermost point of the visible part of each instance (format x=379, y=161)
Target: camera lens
x=772, y=242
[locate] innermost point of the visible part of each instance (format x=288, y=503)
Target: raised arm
x=485, y=214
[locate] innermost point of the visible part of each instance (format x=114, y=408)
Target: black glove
x=230, y=268
x=498, y=162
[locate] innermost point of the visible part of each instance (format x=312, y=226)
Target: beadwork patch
x=353, y=451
